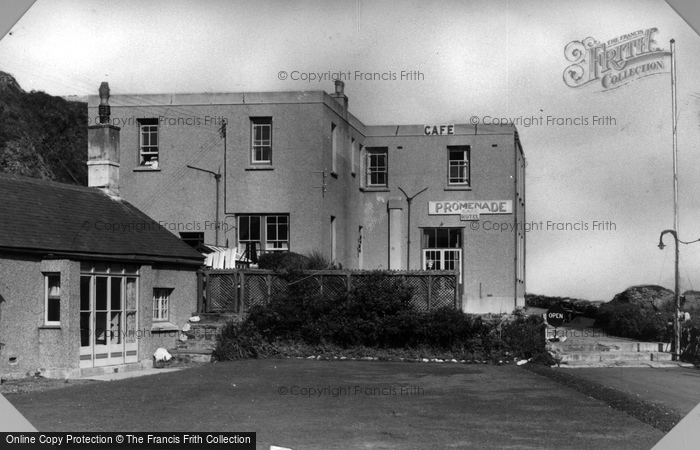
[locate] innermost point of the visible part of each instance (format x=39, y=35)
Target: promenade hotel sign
x=609, y=65
x=471, y=209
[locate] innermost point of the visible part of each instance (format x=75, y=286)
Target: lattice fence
x=239, y=290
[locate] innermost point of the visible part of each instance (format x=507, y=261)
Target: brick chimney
x=103, y=149
x=340, y=97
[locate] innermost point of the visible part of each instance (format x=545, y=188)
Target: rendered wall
x=184, y=199
x=183, y=304
x=54, y=351
x=48, y=350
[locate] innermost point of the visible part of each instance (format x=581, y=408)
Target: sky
x=483, y=59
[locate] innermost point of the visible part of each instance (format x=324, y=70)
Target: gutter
x=48, y=254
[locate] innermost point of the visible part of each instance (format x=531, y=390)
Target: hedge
x=375, y=315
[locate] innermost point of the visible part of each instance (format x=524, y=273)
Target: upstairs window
x=334, y=147
x=458, y=166
x=148, y=142
x=377, y=167
x=261, y=133
x=353, y=155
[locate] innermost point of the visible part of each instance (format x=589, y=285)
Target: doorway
x=108, y=314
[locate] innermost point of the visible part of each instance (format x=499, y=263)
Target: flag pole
x=676, y=318
x=675, y=136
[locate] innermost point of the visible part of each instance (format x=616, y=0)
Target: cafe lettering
x=439, y=130
x=479, y=207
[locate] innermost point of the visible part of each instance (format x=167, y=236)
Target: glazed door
x=86, y=319
x=108, y=320
x=101, y=323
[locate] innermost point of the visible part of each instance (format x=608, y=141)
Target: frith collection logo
x=612, y=64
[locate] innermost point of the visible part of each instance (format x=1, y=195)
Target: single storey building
x=88, y=282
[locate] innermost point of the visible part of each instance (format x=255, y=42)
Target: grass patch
x=38, y=384
x=658, y=416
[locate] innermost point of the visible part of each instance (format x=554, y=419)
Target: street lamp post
x=676, y=319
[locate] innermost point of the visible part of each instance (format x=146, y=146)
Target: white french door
x=108, y=316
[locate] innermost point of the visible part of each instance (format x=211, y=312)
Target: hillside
x=42, y=136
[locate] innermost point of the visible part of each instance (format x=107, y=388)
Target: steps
x=589, y=347
x=614, y=356
x=201, y=337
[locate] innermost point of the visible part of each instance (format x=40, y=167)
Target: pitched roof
x=38, y=215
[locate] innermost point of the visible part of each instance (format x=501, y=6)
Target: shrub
x=631, y=321
x=376, y=315
x=239, y=341
x=319, y=261
x=283, y=261
x=690, y=342
x=542, y=301
x=525, y=336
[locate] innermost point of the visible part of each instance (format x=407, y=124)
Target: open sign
x=555, y=315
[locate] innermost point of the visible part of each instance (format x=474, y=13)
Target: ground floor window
x=193, y=239
x=161, y=301
x=442, y=249
x=263, y=233
x=53, y=299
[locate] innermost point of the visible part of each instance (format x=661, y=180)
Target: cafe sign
x=438, y=130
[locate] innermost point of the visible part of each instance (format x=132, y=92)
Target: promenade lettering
x=473, y=207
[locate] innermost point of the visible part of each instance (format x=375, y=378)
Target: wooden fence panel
x=239, y=290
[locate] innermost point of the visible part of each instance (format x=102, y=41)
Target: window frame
x=455, y=248
x=159, y=301
x=153, y=128
x=353, y=155
x=334, y=148
x=277, y=226
x=192, y=237
x=260, y=122
x=463, y=164
x=48, y=297
x=369, y=153
x=262, y=238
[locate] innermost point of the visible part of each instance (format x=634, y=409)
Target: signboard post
x=555, y=317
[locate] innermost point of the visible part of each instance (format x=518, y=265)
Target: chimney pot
x=340, y=97
x=339, y=87
x=104, y=110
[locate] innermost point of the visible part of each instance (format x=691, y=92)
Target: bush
x=631, y=321
x=350, y=319
x=239, y=341
x=376, y=315
x=525, y=336
x=318, y=261
x=283, y=261
x=542, y=301
x=690, y=342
